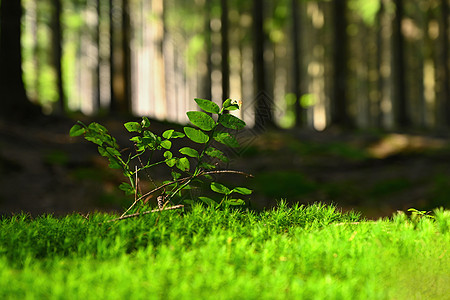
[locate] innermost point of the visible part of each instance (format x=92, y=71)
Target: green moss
x=300, y=252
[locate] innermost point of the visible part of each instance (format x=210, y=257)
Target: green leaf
x=242, y=190
x=145, y=122
x=175, y=175
x=146, y=142
x=189, y=152
x=100, y=129
x=231, y=122
x=127, y=188
x=172, y=134
x=220, y=188
x=168, y=133
x=112, y=155
x=113, y=152
x=183, y=164
x=99, y=135
x=213, y=152
x=208, y=201
x=108, y=152
x=148, y=133
x=226, y=103
x=166, y=144
x=208, y=105
x=176, y=135
x=136, y=139
x=207, y=166
x=149, y=140
x=196, y=135
x=201, y=120
x=226, y=139
x=94, y=139
x=171, y=162
x=113, y=164
x=168, y=155
x=77, y=130
x=231, y=104
x=133, y=126
x=234, y=202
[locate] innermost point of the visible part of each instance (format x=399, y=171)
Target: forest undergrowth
x=299, y=252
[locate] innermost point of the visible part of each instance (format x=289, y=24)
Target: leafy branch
x=205, y=131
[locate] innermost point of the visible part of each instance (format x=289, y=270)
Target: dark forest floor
x=43, y=170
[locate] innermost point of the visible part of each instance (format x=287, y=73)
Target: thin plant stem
x=145, y=213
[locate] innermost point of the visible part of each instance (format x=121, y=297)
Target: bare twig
x=183, y=180
x=145, y=212
x=145, y=170
x=226, y=171
x=136, y=199
x=192, y=177
x=84, y=216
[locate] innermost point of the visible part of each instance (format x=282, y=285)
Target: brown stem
x=192, y=177
x=145, y=212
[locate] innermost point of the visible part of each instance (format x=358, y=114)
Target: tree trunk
x=57, y=58
x=126, y=56
x=263, y=103
x=14, y=100
x=207, y=84
x=225, y=65
x=112, y=68
x=340, y=115
x=444, y=64
x=97, y=82
x=401, y=113
x=120, y=56
x=296, y=79
x=377, y=113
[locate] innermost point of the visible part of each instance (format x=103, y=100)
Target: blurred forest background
x=379, y=65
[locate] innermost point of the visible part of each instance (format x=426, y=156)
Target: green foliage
x=193, y=164
x=419, y=214
x=367, y=9
x=299, y=252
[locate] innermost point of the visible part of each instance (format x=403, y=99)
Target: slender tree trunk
x=263, y=104
x=97, y=82
x=225, y=64
x=207, y=78
x=57, y=48
x=35, y=52
x=401, y=111
x=126, y=56
x=340, y=115
x=444, y=68
x=112, y=69
x=377, y=114
x=13, y=97
x=120, y=55
x=296, y=80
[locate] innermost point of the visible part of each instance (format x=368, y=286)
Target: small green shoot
x=187, y=164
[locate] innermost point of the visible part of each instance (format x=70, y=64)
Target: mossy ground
x=300, y=252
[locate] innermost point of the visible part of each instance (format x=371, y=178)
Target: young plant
x=206, y=131
x=417, y=215
x=226, y=192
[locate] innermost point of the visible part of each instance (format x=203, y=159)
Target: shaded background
x=346, y=101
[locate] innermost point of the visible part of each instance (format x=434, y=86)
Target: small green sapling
x=187, y=164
